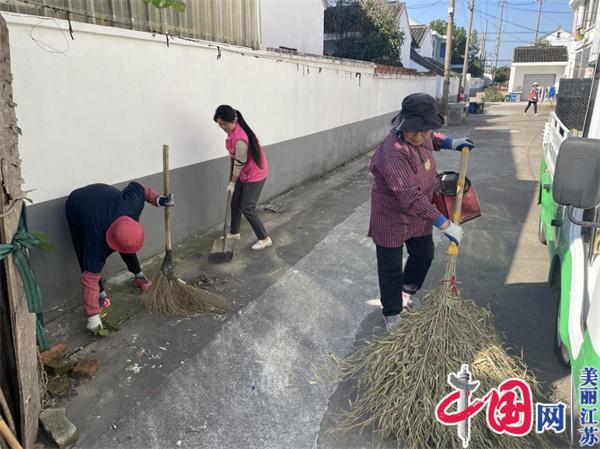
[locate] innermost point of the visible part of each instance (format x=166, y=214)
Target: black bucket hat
x=419, y=113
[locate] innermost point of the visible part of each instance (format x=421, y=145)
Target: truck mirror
x=577, y=173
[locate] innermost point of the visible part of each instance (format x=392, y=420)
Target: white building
x=560, y=37
x=422, y=39
x=293, y=24
x=586, y=30
x=439, y=46
x=399, y=9
x=544, y=65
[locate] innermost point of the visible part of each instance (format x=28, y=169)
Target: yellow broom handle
x=167, y=190
x=8, y=436
x=460, y=190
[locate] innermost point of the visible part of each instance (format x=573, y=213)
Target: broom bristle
x=172, y=297
x=402, y=376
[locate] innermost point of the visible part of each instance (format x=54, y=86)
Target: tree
x=502, y=74
x=367, y=30
x=459, y=39
x=475, y=68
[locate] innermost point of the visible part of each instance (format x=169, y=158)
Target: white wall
x=554, y=39
x=405, y=48
x=519, y=70
x=293, y=23
x=426, y=48
x=100, y=110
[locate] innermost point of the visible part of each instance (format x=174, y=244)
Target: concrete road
x=248, y=381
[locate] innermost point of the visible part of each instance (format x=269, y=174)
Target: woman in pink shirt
x=402, y=212
x=248, y=173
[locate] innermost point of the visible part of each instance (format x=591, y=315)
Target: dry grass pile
x=401, y=377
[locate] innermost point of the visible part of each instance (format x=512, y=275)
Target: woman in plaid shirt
x=402, y=212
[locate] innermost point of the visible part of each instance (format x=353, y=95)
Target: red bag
x=444, y=197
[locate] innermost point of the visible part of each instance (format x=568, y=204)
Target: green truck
x=569, y=200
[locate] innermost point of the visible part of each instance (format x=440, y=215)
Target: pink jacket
x=402, y=194
x=251, y=171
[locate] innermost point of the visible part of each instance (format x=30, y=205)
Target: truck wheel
x=541, y=234
x=561, y=351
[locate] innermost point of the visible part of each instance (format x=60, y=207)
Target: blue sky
x=519, y=18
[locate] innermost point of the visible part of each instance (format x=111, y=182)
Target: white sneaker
x=232, y=236
x=262, y=244
x=392, y=321
x=410, y=303
x=93, y=322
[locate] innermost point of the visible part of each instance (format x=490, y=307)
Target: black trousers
x=393, y=280
x=78, y=238
x=534, y=103
x=244, y=201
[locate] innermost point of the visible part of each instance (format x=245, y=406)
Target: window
x=594, y=12
x=558, y=34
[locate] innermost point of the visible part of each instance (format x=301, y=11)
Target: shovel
x=222, y=248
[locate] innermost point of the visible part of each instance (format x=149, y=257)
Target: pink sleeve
x=150, y=195
x=91, y=292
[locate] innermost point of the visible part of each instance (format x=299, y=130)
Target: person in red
x=533, y=99
x=248, y=173
x=102, y=220
x=402, y=212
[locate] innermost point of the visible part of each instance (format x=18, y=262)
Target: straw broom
x=401, y=377
x=168, y=294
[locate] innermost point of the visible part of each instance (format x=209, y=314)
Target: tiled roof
x=418, y=33
x=431, y=64
x=541, y=54
x=397, y=8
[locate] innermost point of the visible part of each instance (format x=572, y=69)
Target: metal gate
x=545, y=80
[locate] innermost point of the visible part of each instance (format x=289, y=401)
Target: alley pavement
x=249, y=380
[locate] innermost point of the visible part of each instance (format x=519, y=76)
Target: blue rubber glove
x=453, y=232
x=166, y=200
x=458, y=143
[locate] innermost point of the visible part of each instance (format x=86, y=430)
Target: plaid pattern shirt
x=402, y=194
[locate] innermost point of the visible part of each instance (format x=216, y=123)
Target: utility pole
x=463, y=81
x=537, y=27
x=484, y=41
x=499, y=35
x=448, y=60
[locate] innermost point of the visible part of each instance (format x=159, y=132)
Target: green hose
x=23, y=241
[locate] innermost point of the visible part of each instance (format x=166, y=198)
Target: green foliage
x=367, y=28
x=459, y=39
x=491, y=94
x=177, y=5
x=475, y=68
x=502, y=74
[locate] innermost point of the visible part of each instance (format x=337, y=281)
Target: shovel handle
x=167, y=190
x=460, y=190
x=227, y=209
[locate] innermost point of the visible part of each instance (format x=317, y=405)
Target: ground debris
x=274, y=207
x=58, y=427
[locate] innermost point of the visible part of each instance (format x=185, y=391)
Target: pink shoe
x=142, y=283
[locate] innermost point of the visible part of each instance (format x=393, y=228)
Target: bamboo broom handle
x=8, y=435
x=167, y=190
x=460, y=190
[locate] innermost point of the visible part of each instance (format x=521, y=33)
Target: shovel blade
x=220, y=254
